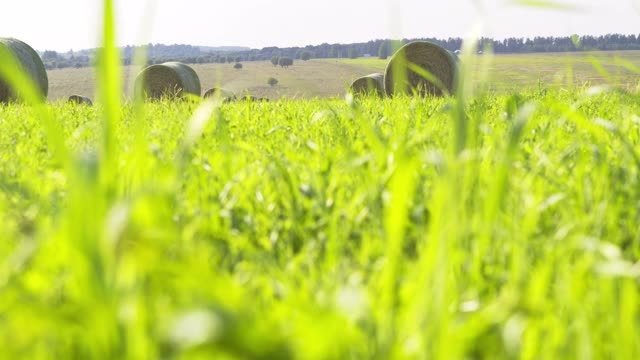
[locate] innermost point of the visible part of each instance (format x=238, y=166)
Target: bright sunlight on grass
x=482, y=225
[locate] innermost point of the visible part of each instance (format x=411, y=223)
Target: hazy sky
x=73, y=24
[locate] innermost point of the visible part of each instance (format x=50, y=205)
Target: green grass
x=325, y=229
x=495, y=225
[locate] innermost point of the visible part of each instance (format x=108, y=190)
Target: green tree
x=275, y=60
x=353, y=54
x=285, y=61
x=388, y=48
x=383, y=50
x=237, y=66
x=334, y=52
x=50, y=55
x=272, y=81
x=305, y=55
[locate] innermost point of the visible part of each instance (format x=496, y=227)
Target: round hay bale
x=168, y=80
x=370, y=84
x=400, y=79
x=80, y=100
x=31, y=64
x=224, y=94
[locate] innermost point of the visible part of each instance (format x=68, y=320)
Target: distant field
x=510, y=72
x=309, y=79
x=330, y=77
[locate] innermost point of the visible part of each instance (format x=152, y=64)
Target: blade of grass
x=554, y=5
x=401, y=187
x=26, y=89
x=109, y=75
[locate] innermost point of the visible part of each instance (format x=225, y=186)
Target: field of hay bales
x=303, y=80
x=332, y=77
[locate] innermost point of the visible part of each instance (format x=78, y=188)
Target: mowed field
x=314, y=78
x=331, y=77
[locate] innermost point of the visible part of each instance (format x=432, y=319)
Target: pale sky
x=74, y=24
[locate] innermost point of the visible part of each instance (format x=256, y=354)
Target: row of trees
x=283, y=61
x=202, y=59
x=55, y=60
x=380, y=48
x=385, y=48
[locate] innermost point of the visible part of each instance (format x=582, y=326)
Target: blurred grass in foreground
x=478, y=226
x=272, y=236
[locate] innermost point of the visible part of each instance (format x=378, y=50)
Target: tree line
x=381, y=48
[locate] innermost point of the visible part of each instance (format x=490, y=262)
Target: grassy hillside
x=330, y=77
x=323, y=229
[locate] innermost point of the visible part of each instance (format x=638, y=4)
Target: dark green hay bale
x=80, y=100
x=31, y=64
x=168, y=80
x=370, y=84
x=224, y=94
x=400, y=79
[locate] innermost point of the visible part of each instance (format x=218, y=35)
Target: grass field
x=331, y=77
x=324, y=229
x=497, y=223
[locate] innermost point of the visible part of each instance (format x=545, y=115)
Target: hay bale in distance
x=168, y=80
x=80, y=100
x=370, y=84
x=435, y=60
x=31, y=64
x=224, y=94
